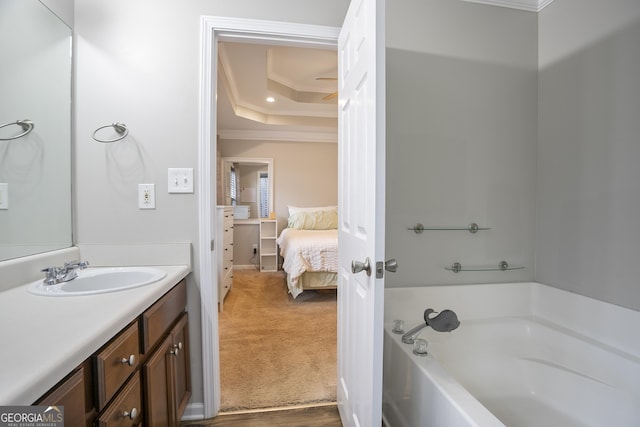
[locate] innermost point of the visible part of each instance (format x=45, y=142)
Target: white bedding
x=307, y=250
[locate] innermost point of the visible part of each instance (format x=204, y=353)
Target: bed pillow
x=295, y=209
x=314, y=220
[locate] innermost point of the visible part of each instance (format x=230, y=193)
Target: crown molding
x=282, y=136
x=528, y=5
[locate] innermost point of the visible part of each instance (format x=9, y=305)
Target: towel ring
x=121, y=128
x=26, y=125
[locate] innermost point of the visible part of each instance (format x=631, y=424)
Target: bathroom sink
x=100, y=280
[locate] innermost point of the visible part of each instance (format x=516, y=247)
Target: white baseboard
x=193, y=411
x=245, y=267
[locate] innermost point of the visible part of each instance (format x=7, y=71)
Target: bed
x=309, y=247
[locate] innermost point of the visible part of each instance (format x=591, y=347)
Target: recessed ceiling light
x=271, y=99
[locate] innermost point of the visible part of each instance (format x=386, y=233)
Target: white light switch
x=147, y=196
x=180, y=180
x=4, y=195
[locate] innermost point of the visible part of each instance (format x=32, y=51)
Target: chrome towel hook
x=26, y=125
x=120, y=128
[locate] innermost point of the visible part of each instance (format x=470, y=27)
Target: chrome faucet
x=67, y=272
x=445, y=321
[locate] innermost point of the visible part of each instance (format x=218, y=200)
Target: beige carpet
x=276, y=351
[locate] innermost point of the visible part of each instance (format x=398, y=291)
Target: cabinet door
x=180, y=365
x=168, y=379
x=71, y=395
x=157, y=383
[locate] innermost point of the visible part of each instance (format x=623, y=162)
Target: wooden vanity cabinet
x=140, y=377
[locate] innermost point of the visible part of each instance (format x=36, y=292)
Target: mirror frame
x=252, y=161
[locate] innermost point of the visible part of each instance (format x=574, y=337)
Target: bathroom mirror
x=248, y=182
x=35, y=169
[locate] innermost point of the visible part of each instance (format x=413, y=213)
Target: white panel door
x=361, y=128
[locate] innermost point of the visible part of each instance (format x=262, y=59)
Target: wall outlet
x=146, y=196
x=255, y=248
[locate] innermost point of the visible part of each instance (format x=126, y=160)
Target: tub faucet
x=445, y=321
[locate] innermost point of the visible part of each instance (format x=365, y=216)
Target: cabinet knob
x=131, y=415
x=175, y=349
x=131, y=360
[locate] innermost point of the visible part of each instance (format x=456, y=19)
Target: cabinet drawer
x=226, y=284
x=227, y=257
x=161, y=315
x=116, y=362
x=126, y=408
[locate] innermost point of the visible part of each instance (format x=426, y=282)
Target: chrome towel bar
x=456, y=267
x=472, y=228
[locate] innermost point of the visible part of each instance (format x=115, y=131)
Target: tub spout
x=410, y=337
x=445, y=321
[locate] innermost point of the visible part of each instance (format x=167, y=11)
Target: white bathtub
x=524, y=355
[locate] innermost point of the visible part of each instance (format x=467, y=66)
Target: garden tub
x=524, y=355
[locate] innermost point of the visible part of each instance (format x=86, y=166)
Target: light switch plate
x=180, y=180
x=4, y=195
x=146, y=196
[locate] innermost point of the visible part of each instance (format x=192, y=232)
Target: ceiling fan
x=331, y=95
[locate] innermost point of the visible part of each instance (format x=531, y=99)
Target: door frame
x=212, y=30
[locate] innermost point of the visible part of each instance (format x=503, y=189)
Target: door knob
x=357, y=266
x=391, y=265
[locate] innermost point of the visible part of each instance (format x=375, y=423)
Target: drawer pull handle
x=175, y=349
x=131, y=360
x=132, y=415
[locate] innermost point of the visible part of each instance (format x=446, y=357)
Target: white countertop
x=44, y=338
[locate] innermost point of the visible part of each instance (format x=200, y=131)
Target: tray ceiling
x=300, y=80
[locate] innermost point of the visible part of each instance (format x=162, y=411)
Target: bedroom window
x=264, y=194
x=233, y=185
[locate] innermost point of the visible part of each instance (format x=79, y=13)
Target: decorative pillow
x=314, y=220
x=295, y=209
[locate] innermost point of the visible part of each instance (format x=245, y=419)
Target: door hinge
x=213, y=245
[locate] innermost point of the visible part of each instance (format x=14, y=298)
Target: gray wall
x=588, y=195
x=461, y=137
x=138, y=63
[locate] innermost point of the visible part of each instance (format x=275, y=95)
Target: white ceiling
x=248, y=73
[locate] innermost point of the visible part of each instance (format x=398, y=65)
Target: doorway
x=275, y=351
x=215, y=30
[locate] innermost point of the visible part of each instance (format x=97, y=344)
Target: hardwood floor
x=316, y=416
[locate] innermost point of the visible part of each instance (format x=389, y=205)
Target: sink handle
x=51, y=275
